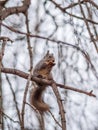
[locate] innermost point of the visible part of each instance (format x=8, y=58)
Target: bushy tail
x=37, y=101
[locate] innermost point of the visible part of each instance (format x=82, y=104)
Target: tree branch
x=43, y=81
x=64, y=11
x=60, y=104
x=42, y=37
x=12, y=10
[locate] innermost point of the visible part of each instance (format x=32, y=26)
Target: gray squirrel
x=42, y=70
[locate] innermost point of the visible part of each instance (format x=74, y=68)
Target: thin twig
x=14, y=98
x=88, y=28
x=10, y=118
x=60, y=104
x=64, y=11
x=77, y=90
x=28, y=42
x=24, y=100
x=39, y=115
x=93, y=3
x=55, y=119
x=2, y=51
x=42, y=37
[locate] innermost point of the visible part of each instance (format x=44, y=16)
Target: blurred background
x=69, y=30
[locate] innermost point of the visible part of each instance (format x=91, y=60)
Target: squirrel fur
x=42, y=70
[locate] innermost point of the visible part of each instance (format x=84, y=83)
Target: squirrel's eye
x=50, y=56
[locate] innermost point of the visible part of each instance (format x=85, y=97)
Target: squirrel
x=42, y=70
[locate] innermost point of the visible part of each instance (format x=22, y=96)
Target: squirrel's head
x=49, y=59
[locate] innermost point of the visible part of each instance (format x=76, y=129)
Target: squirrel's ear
x=47, y=53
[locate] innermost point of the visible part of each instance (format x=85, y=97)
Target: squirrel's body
x=42, y=70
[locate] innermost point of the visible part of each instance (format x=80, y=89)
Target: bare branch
x=2, y=38
x=93, y=3
x=24, y=100
x=55, y=119
x=54, y=41
x=76, y=90
x=60, y=104
x=14, y=98
x=64, y=11
x=88, y=28
x=73, y=5
x=2, y=52
x=28, y=42
x=44, y=81
x=41, y=37
x=12, y=10
x=9, y=117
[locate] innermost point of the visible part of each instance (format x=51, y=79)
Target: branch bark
x=60, y=104
x=12, y=10
x=43, y=81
